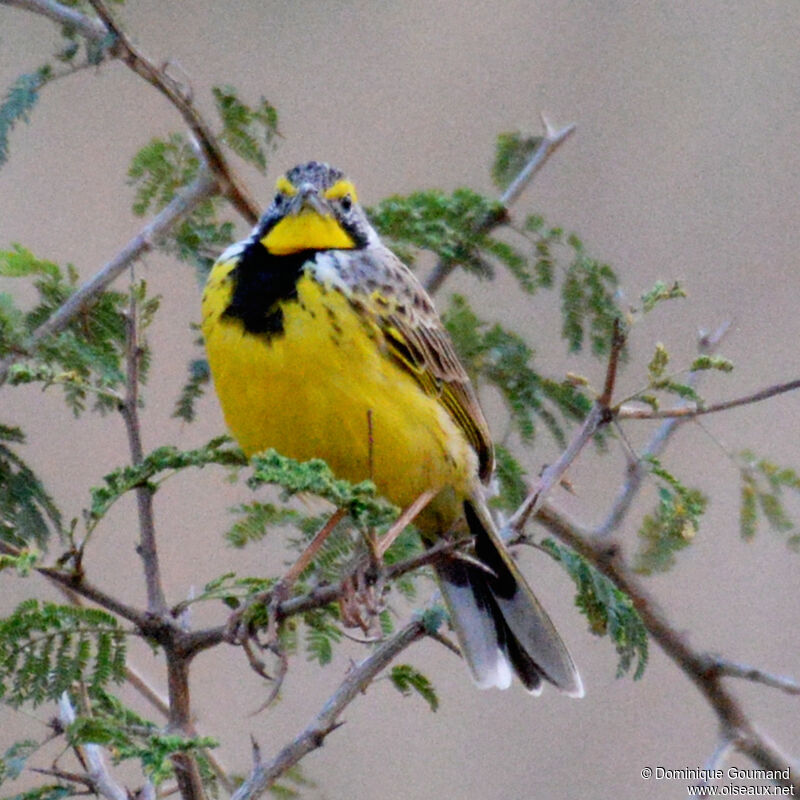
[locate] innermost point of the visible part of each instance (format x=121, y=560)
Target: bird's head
x=315, y=208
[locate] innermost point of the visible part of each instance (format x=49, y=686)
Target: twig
x=99, y=777
x=732, y=669
x=403, y=521
x=734, y=722
x=201, y=188
x=550, y=142
x=598, y=415
x=229, y=182
x=637, y=469
x=356, y=681
x=156, y=603
x=687, y=412
x=89, y=28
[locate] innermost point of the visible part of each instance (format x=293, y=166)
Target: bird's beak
x=308, y=199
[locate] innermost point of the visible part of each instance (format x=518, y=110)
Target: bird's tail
x=501, y=626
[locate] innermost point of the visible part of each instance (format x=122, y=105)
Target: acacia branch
x=89, y=28
x=147, y=549
x=201, y=188
x=319, y=597
x=599, y=414
x=98, y=776
x=688, y=412
x=229, y=182
x=733, y=669
x=734, y=723
x=355, y=682
x=187, y=773
x=638, y=468
x=549, y=143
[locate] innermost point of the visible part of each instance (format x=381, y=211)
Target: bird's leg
x=280, y=591
x=402, y=521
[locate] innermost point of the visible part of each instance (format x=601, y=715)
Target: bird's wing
x=392, y=296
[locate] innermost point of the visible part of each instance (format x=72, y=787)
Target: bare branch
x=732, y=669
x=187, y=773
x=687, y=412
x=550, y=142
x=734, y=722
x=202, y=187
x=89, y=28
x=327, y=720
x=229, y=182
x=156, y=604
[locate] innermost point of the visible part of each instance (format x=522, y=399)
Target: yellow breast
x=325, y=388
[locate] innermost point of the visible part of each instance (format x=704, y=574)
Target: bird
x=322, y=343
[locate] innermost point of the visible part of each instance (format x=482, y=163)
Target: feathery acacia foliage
x=608, y=610
x=48, y=649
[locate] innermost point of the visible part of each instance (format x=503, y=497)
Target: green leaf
x=361, y=499
x=46, y=792
x=166, y=459
x=451, y=226
x=511, y=476
x=17, y=106
x=321, y=634
x=19, y=262
x=658, y=363
x=193, y=389
x=719, y=363
x=608, y=610
x=255, y=521
x=45, y=648
x=16, y=757
x=672, y=526
x=249, y=132
x=588, y=303
x=659, y=293
x=512, y=152
x=28, y=514
x=504, y=360
x=159, y=169
x=407, y=679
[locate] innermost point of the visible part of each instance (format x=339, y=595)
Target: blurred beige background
x=685, y=165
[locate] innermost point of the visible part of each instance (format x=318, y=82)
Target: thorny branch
x=327, y=720
x=550, y=142
x=637, y=469
x=703, y=670
x=202, y=187
x=129, y=408
x=687, y=412
x=707, y=672
x=600, y=414
x=217, y=175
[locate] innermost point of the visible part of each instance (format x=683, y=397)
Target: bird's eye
x=347, y=202
x=277, y=200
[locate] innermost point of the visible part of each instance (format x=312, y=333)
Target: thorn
x=256, y=751
x=548, y=128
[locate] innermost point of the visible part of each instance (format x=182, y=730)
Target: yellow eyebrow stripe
x=340, y=189
x=284, y=186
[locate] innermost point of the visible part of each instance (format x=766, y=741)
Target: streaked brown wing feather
x=414, y=335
